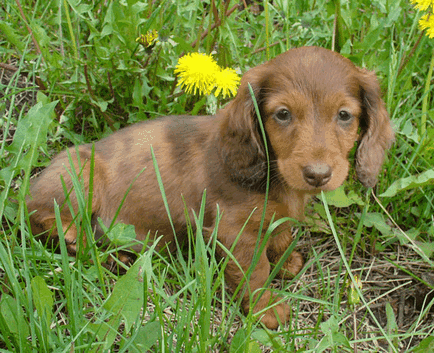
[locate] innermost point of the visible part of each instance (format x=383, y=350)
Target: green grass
x=76, y=73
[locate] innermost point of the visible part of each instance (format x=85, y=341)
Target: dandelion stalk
x=267, y=28
x=425, y=98
x=71, y=32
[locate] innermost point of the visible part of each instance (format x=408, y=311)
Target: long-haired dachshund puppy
x=314, y=105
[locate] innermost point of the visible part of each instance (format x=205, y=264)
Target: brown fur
x=226, y=155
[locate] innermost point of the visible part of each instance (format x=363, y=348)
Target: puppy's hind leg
x=57, y=182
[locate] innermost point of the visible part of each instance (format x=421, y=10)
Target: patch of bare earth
x=383, y=281
x=18, y=90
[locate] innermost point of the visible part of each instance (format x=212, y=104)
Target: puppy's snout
x=317, y=174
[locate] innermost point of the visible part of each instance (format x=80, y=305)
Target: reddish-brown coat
x=226, y=155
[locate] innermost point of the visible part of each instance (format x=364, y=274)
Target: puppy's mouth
x=315, y=190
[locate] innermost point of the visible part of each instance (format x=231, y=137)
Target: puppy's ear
x=241, y=144
x=376, y=131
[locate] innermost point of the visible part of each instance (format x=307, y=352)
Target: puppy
x=314, y=105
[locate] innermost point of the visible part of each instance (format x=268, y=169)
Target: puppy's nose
x=317, y=174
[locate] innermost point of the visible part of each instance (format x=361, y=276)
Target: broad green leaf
x=125, y=302
x=425, y=346
x=106, y=331
x=338, y=198
x=330, y=326
x=42, y=298
x=377, y=220
x=264, y=337
x=12, y=36
x=80, y=8
x=254, y=347
x=411, y=182
x=242, y=343
x=239, y=341
x=32, y=129
x=333, y=338
x=411, y=233
x=13, y=316
x=127, y=296
x=122, y=234
x=427, y=248
x=102, y=104
x=410, y=131
x=391, y=326
x=147, y=336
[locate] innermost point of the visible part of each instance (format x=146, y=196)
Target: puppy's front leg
x=277, y=248
x=278, y=313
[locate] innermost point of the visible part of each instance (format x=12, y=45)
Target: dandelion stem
x=425, y=98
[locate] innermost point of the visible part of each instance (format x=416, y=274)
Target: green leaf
x=127, y=296
x=32, y=129
x=411, y=182
x=411, y=233
x=31, y=133
x=122, y=234
x=42, y=298
x=239, y=341
x=377, y=220
x=340, y=339
x=242, y=344
x=125, y=302
x=330, y=326
x=101, y=104
x=410, y=131
x=392, y=327
x=13, y=316
x=338, y=198
x=147, y=336
x=370, y=39
x=254, y=347
x=333, y=338
x=105, y=331
x=264, y=337
x=425, y=346
x=427, y=248
x=12, y=36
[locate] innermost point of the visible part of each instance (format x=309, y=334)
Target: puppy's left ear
x=241, y=146
x=376, y=131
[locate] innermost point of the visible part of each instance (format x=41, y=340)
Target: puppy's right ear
x=241, y=145
x=376, y=130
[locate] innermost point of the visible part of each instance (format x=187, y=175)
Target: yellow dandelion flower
x=427, y=22
x=227, y=82
x=148, y=39
x=422, y=4
x=197, y=73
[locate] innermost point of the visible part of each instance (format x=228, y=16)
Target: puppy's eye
x=344, y=116
x=283, y=115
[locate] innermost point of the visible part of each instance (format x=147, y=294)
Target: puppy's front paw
x=278, y=314
x=275, y=315
x=292, y=266
x=70, y=233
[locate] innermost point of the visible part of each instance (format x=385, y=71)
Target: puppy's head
x=314, y=105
